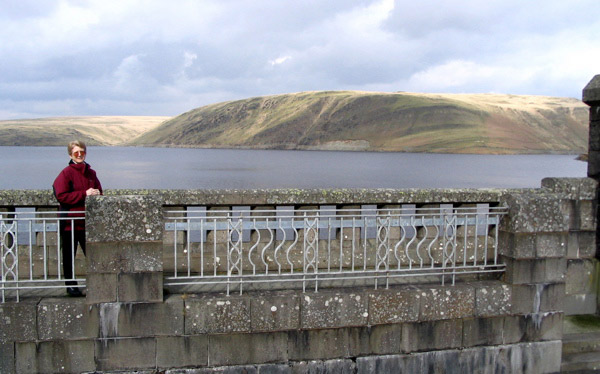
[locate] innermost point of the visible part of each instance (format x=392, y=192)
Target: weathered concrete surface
x=270, y=196
x=66, y=318
x=125, y=354
x=591, y=92
x=572, y=188
x=332, y=309
x=18, y=321
x=521, y=358
x=129, y=218
x=60, y=356
x=535, y=212
x=181, y=351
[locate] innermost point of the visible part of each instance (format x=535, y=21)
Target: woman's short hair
x=75, y=143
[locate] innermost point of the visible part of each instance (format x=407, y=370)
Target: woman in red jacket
x=71, y=187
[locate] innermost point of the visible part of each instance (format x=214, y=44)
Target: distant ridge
x=403, y=122
x=58, y=131
x=338, y=120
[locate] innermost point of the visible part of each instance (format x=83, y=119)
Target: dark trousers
x=68, y=248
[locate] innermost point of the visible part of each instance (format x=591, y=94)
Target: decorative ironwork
x=329, y=246
x=30, y=252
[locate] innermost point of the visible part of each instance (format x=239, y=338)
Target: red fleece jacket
x=70, y=186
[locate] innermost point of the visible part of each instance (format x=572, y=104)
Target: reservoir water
x=187, y=168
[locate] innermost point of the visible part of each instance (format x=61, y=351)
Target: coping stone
x=333, y=309
x=591, y=92
x=66, y=318
x=217, y=314
x=129, y=218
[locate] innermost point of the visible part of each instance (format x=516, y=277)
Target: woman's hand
x=92, y=191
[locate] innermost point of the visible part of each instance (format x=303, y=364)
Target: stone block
x=591, y=92
x=433, y=335
x=514, y=329
x=394, y=305
x=516, y=245
x=60, y=356
x=526, y=358
x=167, y=318
x=544, y=326
x=217, y=314
x=534, y=271
x=274, y=369
x=582, y=244
x=582, y=276
x=439, y=302
x=140, y=287
x=535, y=212
x=275, y=312
x=593, y=170
x=375, y=340
x=318, y=344
x=18, y=321
x=7, y=357
x=125, y=257
x=339, y=366
x=576, y=304
x=125, y=354
x=124, y=218
x=586, y=214
x=492, y=299
x=482, y=331
x=551, y=245
x=572, y=188
x=101, y=288
x=594, y=135
x=535, y=298
x=66, y=318
x=241, y=349
x=181, y=351
x=333, y=309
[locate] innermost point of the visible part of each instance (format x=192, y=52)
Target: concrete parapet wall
x=128, y=323
x=275, y=327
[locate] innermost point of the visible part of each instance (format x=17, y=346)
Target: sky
x=166, y=57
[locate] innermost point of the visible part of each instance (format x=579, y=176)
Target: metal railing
x=30, y=253
x=241, y=248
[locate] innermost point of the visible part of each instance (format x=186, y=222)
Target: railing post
x=124, y=245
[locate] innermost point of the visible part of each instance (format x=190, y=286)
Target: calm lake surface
x=182, y=168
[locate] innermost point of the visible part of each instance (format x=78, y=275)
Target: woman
x=71, y=187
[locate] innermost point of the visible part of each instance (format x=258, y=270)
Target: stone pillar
x=582, y=274
x=591, y=96
x=533, y=243
x=124, y=249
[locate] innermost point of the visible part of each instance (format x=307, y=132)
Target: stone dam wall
x=129, y=321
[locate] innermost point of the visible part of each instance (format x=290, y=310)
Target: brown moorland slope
x=55, y=131
x=405, y=122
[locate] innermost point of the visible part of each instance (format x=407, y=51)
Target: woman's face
x=78, y=155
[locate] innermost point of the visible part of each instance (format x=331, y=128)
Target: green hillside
x=348, y=120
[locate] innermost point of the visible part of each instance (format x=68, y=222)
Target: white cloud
x=279, y=60
x=144, y=56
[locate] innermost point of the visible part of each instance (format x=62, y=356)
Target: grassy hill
x=408, y=122
x=338, y=120
x=58, y=131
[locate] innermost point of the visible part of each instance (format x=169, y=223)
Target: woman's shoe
x=74, y=292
